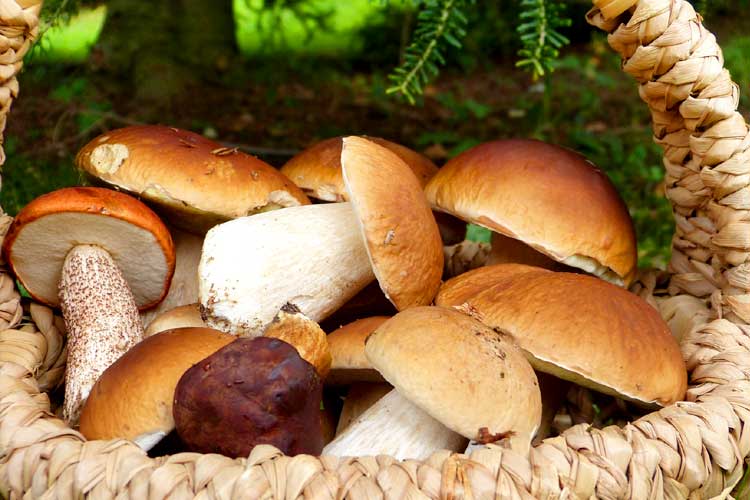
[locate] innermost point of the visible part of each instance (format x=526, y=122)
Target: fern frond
x=440, y=25
x=541, y=41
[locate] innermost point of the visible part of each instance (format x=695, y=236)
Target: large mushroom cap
x=133, y=397
x=317, y=169
x=549, y=197
x=459, y=371
x=349, y=363
x=464, y=286
x=400, y=232
x=588, y=331
x=46, y=229
x=194, y=181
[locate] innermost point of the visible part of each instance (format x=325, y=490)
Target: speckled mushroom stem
x=102, y=321
x=395, y=426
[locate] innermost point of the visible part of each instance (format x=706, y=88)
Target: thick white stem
x=360, y=397
x=394, y=426
x=101, y=317
x=312, y=257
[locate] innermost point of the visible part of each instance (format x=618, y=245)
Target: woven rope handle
x=692, y=449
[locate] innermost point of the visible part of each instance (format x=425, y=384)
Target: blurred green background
x=273, y=77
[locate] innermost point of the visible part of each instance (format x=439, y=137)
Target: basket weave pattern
x=693, y=449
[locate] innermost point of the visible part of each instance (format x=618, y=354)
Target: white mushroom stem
x=360, y=397
x=312, y=257
x=101, y=317
x=396, y=427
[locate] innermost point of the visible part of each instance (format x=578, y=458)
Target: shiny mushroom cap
x=193, y=181
x=550, y=198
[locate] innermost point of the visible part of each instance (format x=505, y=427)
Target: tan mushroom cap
x=347, y=346
x=457, y=290
x=185, y=316
x=459, y=371
x=45, y=231
x=195, y=182
x=133, y=397
x=588, y=331
x=317, y=169
x=549, y=197
x=400, y=232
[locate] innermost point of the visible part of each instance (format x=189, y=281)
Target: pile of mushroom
x=250, y=276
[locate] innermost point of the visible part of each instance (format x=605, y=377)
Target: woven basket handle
x=694, y=448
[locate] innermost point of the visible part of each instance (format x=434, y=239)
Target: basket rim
x=696, y=446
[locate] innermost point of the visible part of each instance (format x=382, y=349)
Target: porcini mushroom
x=193, y=181
x=317, y=169
x=99, y=255
x=349, y=363
x=317, y=257
x=551, y=199
x=253, y=391
x=305, y=335
x=454, y=378
x=351, y=367
x=133, y=397
x=585, y=330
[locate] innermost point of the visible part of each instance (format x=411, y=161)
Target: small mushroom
x=188, y=315
x=351, y=367
x=99, y=255
x=133, y=397
x=454, y=378
x=587, y=331
x=253, y=391
x=551, y=199
x=318, y=257
x=305, y=335
x=184, y=287
x=349, y=363
x=317, y=169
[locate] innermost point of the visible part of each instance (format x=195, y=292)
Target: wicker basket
x=693, y=449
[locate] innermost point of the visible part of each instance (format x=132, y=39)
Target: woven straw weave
x=694, y=449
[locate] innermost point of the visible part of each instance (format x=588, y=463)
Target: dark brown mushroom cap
x=253, y=391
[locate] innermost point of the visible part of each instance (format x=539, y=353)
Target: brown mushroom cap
x=459, y=371
x=457, y=290
x=588, y=331
x=195, y=182
x=317, y=169
x=400, y=232
x=253, y=391
x=305, y=335
x=347, y=346
x=133, y=398
x=47, y=229
x=549, y=197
